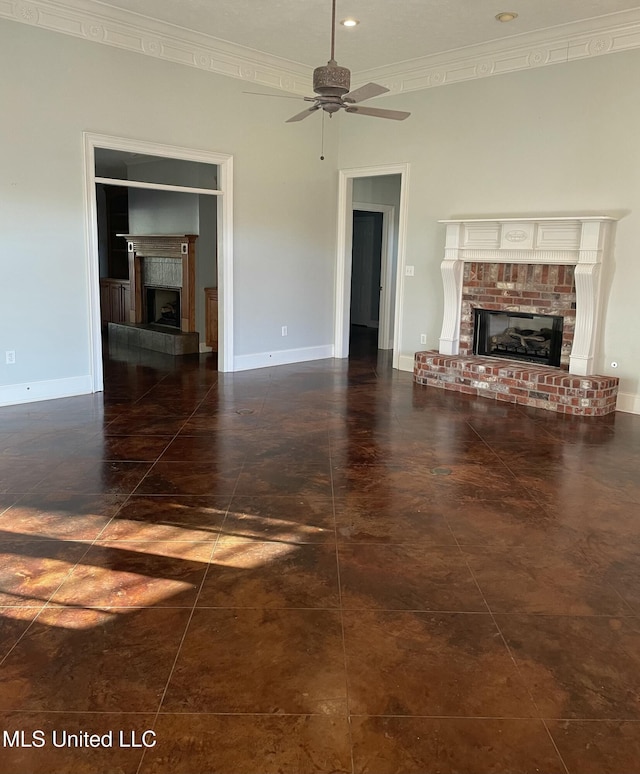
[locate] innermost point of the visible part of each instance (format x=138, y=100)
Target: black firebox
x=163, y=306
x=533, y=338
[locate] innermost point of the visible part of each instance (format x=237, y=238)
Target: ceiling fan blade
x=304, y=114
x=396, y=115
x=367, y=91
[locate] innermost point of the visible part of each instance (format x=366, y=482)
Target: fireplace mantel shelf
x=556, y=218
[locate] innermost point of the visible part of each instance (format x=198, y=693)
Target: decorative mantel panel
x=584, y=242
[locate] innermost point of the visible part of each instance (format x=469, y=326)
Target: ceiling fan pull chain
x=322, y=139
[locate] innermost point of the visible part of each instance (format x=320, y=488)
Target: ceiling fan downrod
x=331, y=80
x=333, y=30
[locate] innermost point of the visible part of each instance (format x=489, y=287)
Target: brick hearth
x=537, y=386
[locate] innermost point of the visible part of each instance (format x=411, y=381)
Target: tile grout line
x=341, y=608
x=187, y=625
x=195, y=603
x=517, y=668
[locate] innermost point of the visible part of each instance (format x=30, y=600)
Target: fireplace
x=532, y=338
x=162, y=278
x=533, y=265
x=524, y=273
x=162, y=306
x=167, y=263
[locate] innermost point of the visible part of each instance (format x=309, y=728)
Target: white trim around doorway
x=225, y=238
x=343, y=254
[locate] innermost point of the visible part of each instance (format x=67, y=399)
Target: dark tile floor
x=315, y=568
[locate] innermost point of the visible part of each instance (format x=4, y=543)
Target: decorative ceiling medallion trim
x=111, y=26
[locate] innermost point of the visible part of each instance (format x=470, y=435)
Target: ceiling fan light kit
x=332, y=83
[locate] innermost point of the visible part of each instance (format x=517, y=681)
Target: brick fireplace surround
x=537, y=266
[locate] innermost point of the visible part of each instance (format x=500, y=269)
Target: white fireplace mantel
x=581, y=241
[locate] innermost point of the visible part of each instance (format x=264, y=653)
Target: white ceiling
x=390, y=31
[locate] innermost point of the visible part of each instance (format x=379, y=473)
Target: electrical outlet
x=423, y=338
x=10, y=356
x=285, y=331
x=409, y=271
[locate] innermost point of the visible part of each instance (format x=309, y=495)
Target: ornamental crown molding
x=111, y=26
x=556, y=45
x=99, y=23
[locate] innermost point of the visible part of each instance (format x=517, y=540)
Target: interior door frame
x=342, y=297
x=385, y=340
x=224, y=218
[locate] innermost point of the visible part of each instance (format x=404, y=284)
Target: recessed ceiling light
x=350, y=22
x=506, y=16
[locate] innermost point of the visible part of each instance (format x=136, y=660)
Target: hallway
x=316, y=568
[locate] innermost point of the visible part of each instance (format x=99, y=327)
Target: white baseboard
x=405, y=363
x=12, y=394
x=281, y=357
x=204, y=349
x=628, y=402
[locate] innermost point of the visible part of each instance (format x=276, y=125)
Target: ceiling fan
x=332, y=83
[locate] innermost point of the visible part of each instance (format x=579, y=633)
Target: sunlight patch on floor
x=103, y=587
x=84, y=595
x=247, y=554
x=250, y=525
x=130, y=529
x=37, y=524
x=79, y=618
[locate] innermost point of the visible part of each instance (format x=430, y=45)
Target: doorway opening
x=370, y=260
x=366, y=260
x=148, y=171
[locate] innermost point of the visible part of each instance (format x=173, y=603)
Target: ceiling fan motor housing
x=331, y=80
